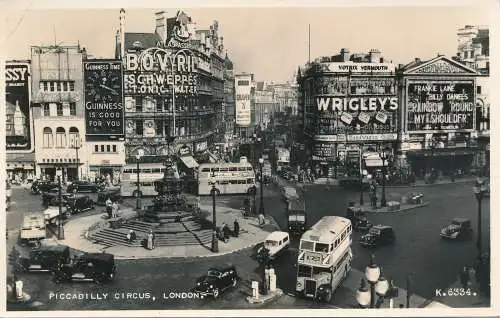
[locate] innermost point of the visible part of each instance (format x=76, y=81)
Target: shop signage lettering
x=243, y=100
x=357, y=103
x=372, y=137
x=440, y=105
x=18, y=126
x=201, y=146
x=157, y=70
x=103, y=98
x=339, y=67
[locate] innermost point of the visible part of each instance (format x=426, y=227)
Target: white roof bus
x=324, y=257
x=148, y=174
x=230, y=177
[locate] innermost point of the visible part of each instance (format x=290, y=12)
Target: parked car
x=97, y=267
x=43, y=186
x=459, y=228
x=297, y=221
x=114, y=195
x=32, y=230
x=289, y=193
x=217, y=280
x=85, y=186
x=51, y=198
x=80, y=203
x=45, y=259
x=378, y=235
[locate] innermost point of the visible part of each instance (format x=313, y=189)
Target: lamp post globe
x=372, y=271
x=382, y=286
x=363, y=296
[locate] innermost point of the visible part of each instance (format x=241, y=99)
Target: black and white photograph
x=258, y=159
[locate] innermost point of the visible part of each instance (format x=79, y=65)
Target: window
x=139, y=127
x=102, y=148
x=307, y=245
x=321, y=247
x=304, y=271
x=108, y=148
x=52, y=86
x=96, y=148
x=71, y=86
x=60, y=137
x=72, y=109
x=47, y=138
x=46, y=110
x=114, y=148
x=59, y=109
x=138, y=104
x=159, y=127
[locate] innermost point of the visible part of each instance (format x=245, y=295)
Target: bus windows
x=233, y=182
x=205, y=170
x=146, y=170
x=224, y=182
x=233, y=169
x=241, y=181
x=156, y=170
x=242, y=169
x=321, y=247
x=304, y=270
x=223, y=169
x=249, y=169
x=319, y=270
x=249, y=181
x=307, y=245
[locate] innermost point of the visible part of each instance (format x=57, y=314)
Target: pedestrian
x=236, y=228
x=150, y=240
x=109, y=207
x=464, y=277
x=115, y=209
x=261, y=219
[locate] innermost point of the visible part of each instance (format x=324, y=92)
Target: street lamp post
x=60, y=228
x=213, y=193
x=252, y=149
x=379, y=286
x=479, y=190
x=362, y=175
x=138, y=190
x=261, y=208
x=384, y=155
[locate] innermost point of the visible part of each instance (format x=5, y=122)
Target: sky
x=270, y=42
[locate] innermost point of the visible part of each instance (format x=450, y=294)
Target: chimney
x=374, y=56
x=344, y=53
x=122, y=33
x=161, y=26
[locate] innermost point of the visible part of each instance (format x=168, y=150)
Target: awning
x=189, y=162
x=373, y=162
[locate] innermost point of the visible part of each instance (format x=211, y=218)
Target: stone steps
x=110, y=237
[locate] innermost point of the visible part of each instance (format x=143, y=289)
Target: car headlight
x=211, y=286
x=198, y=284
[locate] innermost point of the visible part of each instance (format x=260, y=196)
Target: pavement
x=250, y=234
x=417, y=183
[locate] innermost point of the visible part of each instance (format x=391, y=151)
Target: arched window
x=74, y=137
x=48, y=138
x=60, y=137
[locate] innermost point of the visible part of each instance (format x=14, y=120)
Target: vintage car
x=289, y=193
x=296, y=212
x=80, y=203
x=44, y=259
x=85, y=186
x=38, y=186
x=378, y=235
x=114, y=195
x=459, y=228
x=51, y=198
x=358, y=219
x=97, y=267
x=217, y=280
x=33, y=229
x=275, y=243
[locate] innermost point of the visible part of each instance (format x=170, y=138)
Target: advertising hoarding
x=243, y=89
x=343, y=67
x=440, y=105
x=103, y=98
x=19, y=123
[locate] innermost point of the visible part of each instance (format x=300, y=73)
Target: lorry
x=32, y=230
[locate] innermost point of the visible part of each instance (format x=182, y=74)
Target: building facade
x=350, y=112
x=173, y=87
x=229, y=101
x=58, y=110
x=265, y=105
x=438, y=131
x=19, y=133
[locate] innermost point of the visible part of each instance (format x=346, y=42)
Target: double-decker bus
x=230, y=177
x=324, y=257
x=148, y=174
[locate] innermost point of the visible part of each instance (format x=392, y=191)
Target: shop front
x=106, y=170
x=20, y=167
x=48, y=170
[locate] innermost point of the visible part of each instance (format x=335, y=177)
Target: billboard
x=440, y=105
x=19, y=123
x=243, y=89
x=103, y=98
x=352, y=67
